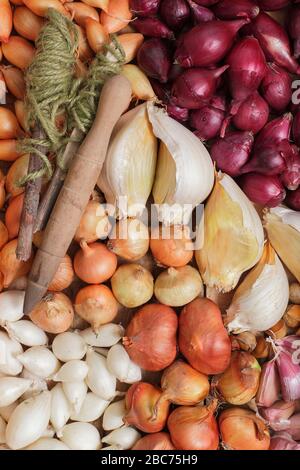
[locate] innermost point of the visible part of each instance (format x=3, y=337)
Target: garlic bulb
x=60, y=408
x=185, y=173
x=72, y=371
x=6, y=411
x=99, y=379
x=39, y=361
x=124, y=437
x=104, y=337
x=47, y=443
x=282, y=225
x=9, y=350
x=92, y=408
x=129, y=168
x=75, y=393
x=2, y=431
x=26, y=333
x=28, y=421
x=37, y=384
x=68, y=346
x=140, y=84
x=233, y=236
x=121, y=366
x=11, y=388
x=262, y=298
x=80, y=436
x=113, y=416
x=11, y=305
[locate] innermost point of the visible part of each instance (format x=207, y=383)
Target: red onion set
x=199, y=50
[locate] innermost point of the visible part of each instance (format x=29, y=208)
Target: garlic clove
x=262, y=298
x=47, y=443
x=37, y=384
x=49, y=431
x=39, y=361
x=28, y=421
x=92, y=408
x=104, y=337
x=75, y=393
x=120, y=364
x=113, y=416
x=72, y=371
x=80, y=436
x=11, y=305
x=60, y=408
x=185, y=173
x=68, y=346
x=140, y=84
x=26, y=332
x=233, y=236
x=124, y=437
x=99, y=379
x=11, y=388
x=129, y=167
x=2, y=431
x=6, y=411
x=9, y=350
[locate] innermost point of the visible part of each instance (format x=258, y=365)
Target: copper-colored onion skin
x=55, y=317
x=203, y=339
x=241, y=429
x=144, y=409
x=64, y=276
x=173, y=250
x=13, y=216
x=240, y=381
x=193, y=428
x=150, y=338
x=156, y=441
x=10, y=266
x=183, y=385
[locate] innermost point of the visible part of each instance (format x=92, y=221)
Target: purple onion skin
x=175, y=112
x=195, y=87
x=207, y=43
x=291, y=175
x=274, y=41
x=293, y=199
x=273, y=5
x=175, y=13
x=283, y=441
x=252, y=115
x=296, y=128
x=232, y=152
x=264, y=190
x=275, y=131
x=152, y=27
x=207, y=121
x=230, y=9
x=144, y=7
x=162, y=91
x=206, y=3
x=154, y=59
x=247, y=68
x=199, y=13
x=269, y=160
x=276, y=87
x=294, y=29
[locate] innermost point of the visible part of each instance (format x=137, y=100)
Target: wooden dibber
x=78, y=186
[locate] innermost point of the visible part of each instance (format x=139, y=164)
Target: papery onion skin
x=144, y=410
x=17, y=171
x=293, y=199
x=154, y=59
x=153, y=27
x=26, y=23
x=132, y=285
x=156, y=441
x=200, y=13
x=6, y=20
x=277, y=130
x=207, y=121
x=19, y=52
x=193, y=428
x=262, y=189
x=150, y=338
x=294, y=29
x=9, y=127
x=14, y=80
x=183, y=385
x=240, y=381
x=174, y=249
x=196, y=48
x=232, y=152
x=241, y=429
x=252, y=114
x=3, y=234
x=228, y=9
x=273, y=5
x=54, y=314
x=94, y=263
x=175, y=13
x=81, y=12
x=94, y=223
x=129, y=239
x=96, y=304
x=178, y=286
x=8, y=150
x=144, y=7
x=203, y=340
x=10, y=266
x=64, y=276
x=277, y=87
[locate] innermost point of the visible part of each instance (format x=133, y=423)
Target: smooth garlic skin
x=2, y=430
x=60, y=408
x=9, y=350
x=80, y=436
x=37, y=384
x=71, y=371
x=91, y=409
x=11, y=305
x=11, y=388
x=104, y=337
x=6, y=411
x=47, y=443
x=68, y=346
x=113, y=416
x=75, y=393
x=124, y=437
x=39, y=361
x=26, y=333
x=121, y=366
x=99, y=379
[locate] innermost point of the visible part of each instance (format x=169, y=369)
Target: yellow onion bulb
x=96, y=34
x=155, y=441
x=96, y=304
x=242, y=429
x=80, y=12
x=54, y=314
x=26, y=23
x=40, y=7
x=132, y=285
x=16, y=172
x=172, y=246
x=9, y=126
x=116, y=16
x=129, y=239
x=8, y=150
x=94, y=224
x=178, y=286
x=3, y=234
x=240, y=381
x=2, y=190
x=14, y=79
x=21, y=113
x=10, y=266
x=19, y=52
x=94, y=263
x=13, y=215
x=64, y=275
x=183, y=385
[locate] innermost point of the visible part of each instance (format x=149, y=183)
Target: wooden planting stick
x=78, y=186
